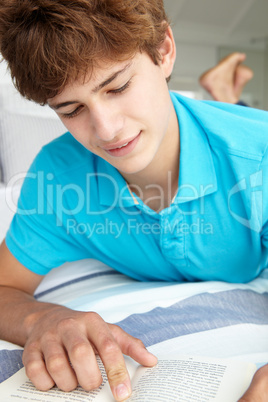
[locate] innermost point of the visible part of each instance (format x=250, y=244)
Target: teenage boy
x=138, y=157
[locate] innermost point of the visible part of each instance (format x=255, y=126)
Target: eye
x=72, y=114
x=121, y=89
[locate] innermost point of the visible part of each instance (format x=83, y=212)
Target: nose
x=106, y=121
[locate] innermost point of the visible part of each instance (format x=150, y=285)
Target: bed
x=204, y=318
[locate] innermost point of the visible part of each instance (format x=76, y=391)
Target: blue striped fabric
x=10, y=363
x=198, y=313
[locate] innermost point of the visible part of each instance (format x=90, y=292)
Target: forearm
x=19, y=312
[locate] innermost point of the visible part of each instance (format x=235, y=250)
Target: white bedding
x=205, y=318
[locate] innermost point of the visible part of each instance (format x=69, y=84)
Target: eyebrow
x=64, y=104
x=96, y=89
x=110, y=79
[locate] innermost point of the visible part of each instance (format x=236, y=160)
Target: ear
x=167, y=51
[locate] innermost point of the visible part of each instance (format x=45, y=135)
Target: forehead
x=95, y=80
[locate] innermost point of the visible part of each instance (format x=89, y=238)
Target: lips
x=118, y=144
x=122, y=148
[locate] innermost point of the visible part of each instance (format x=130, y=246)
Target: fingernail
x=122, y=392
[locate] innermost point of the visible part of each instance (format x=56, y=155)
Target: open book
x=175, y=379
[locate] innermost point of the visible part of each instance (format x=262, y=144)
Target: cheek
x=79, y=129
x=153, y=98
x=69, y=124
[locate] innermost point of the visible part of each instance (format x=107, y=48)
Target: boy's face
x=122, y=113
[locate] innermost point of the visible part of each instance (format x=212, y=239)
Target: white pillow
x=24, y=128
x=12, y=101
x=21, y=138
x=8, y=202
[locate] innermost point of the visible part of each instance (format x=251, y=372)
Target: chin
x=131, y=168
x=133, y=165
x=129, y=171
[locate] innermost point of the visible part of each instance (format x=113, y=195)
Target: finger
x=133, y=347
x=36, y=369
x=258, y=390
x=58, y=366
x=83, y=359
x=111, y=356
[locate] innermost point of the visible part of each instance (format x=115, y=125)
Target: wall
x=192, y=61
x=266, y=79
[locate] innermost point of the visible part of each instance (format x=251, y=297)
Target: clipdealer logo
x=52, y=197
x=253, y=189
x=54, y=203
x=136, y=228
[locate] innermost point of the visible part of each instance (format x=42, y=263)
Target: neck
x=157, y=184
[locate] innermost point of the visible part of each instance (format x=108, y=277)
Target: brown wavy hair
x=49, y=43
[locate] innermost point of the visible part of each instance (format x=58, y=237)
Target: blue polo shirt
x=74, y=205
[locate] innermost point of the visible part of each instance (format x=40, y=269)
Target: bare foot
x=243, y=75
x=225, y=81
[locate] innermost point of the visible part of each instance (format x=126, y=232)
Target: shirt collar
x=197, y=177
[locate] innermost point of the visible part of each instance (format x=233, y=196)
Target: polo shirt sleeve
x=37, y=237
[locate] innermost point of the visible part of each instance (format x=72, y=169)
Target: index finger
x=133, y=347
x=113, y=360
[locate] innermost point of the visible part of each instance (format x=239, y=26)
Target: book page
x=192, y=379
x=19, y=388
x=184, y=379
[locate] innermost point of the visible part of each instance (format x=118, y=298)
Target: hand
x=62, y=336
x=258, y=390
